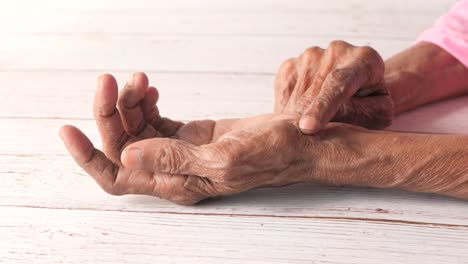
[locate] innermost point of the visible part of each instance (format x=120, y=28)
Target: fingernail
x=308, y=124
x=133, y=157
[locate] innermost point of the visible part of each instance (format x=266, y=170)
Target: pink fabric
x=450, y=32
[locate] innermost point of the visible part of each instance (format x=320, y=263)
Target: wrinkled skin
x=342, y=83
x=184, y=163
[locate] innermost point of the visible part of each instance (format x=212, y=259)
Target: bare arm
x=381, y=159
x=423, y=74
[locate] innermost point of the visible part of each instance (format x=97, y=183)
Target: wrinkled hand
x=343, y=83
x=144, y=153
x=263, y=151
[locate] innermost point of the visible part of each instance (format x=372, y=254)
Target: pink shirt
x=450, y=32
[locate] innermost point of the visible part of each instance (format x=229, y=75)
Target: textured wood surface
x=209, y=59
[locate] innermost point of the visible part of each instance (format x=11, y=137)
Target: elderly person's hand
x=144, y=153
x=200, y=159
x=342, y=83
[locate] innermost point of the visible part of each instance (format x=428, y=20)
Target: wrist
x=344, y=155
x=406, y=88
x=352, y=156
x=423, y=74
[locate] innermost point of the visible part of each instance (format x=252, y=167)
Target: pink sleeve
x=450, y=32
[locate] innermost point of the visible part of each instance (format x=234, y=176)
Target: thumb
x=172, y=156
x=338, y=87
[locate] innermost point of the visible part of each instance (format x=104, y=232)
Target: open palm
x=133, y=116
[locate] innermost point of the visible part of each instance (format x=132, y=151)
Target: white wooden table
x=210, y=59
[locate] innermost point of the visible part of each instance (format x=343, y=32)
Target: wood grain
x=209, y=59
x=209, y=18
x=398, y=7
x=88, y=236
x=54, y=181
x=69, y=94
x=200, y=53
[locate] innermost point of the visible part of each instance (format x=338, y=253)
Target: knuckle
x=285, y=78
x=169, y=160
x=371, y=59
x=287, y=68
x=338, y=44
x=369, y=52
x=105, y=111
x=283, y=92
x=124, y=100
x=321, y=102
x=313, y=50
x=342, y=75
x=311, y=54
x=286, y=74
x=302, y=104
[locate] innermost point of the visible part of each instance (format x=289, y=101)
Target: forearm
x=423, y=74
x=414, y=162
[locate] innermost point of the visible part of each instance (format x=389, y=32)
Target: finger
x=129, y=103
x=149, y=107
x=373, y=112
x=337, y=88
x=284, y=84
x=108, y=118
x=93, y=161
x=163, y=125
x=339, y=85
x=315, y=64
x=148, y=104
x=174, y=157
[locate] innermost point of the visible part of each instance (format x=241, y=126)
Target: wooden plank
x=358, y=23
x=103, y=52
x=70, y=236
x=182, y=96
x=232, y=6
